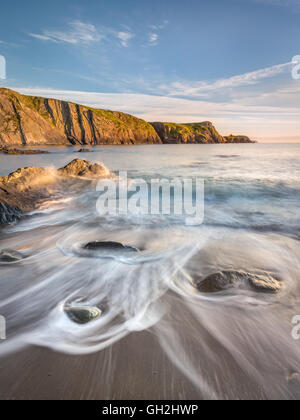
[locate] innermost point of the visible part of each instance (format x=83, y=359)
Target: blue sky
x=228, y=61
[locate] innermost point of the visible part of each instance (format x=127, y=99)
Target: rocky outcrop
x=225, y=280
x=84, y=168
x=238, y=139
x=13, y=151
x=27, y=188
x=26, y=120
x=198, y=133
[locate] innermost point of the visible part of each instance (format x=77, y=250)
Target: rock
x=203, y=132
x=9, y=255
x=83, y=151
x=24, y=189
x=264, y=283
x=224, y=280
x=238, y=139
x=82, y=314
x=13, y=151
x=218, y=282
x=84, y=168
x=109, y=246
x=9, y=214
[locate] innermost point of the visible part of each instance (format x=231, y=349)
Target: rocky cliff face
x=238, y=139
x=26, y=120
x=199, y=133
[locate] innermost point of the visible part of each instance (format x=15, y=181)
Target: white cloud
x=153, y=38
x=202, y=88
x=79, y=33
x=43, y=37
x=125, y=37
x=161, y=26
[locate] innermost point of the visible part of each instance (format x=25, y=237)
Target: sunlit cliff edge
x=31, y=120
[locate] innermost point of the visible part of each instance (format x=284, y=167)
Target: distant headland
x=31, y=120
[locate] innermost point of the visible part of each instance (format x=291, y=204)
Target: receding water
x=233, y=344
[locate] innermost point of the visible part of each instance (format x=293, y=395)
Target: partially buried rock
x=264, y=283
x=82, y=314
x=224, y=280
x=9, y=256
x=218, y=282
x=109, y=246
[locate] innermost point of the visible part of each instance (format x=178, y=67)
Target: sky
x=227, y=61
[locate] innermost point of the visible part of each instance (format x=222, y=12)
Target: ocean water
x=237, y=343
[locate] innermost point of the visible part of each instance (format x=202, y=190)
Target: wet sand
x=136, y=368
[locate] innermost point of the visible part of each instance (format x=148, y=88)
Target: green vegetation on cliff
x=32, y=120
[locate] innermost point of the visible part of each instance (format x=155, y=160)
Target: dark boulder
x=225, y=280
x=82, y=314
x=109, y=246
x=9, y=214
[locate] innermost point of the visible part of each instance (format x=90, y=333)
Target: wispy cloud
x=125, y=37
x=160, y=26
x=79, y=33
x=153, y=39
x=153, y=36
x=203, y=89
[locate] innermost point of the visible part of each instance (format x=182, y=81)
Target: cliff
x=28, y=120
x=199, y=133
x=238, y=139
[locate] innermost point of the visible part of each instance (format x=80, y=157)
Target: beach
x=196, y=312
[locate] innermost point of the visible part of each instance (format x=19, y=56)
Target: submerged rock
x=109, y=246
x=9, y=255
x=13, y=151
x=224, y=280
x=83, y=151
x=82, y=314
